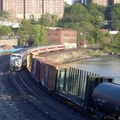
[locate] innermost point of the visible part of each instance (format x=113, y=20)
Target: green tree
x=24, y=32
x=102, y=9
x=74, y=15
x=106, y=41
x=115, y=25
x=94, y=6
x=98, y=22
x=115, y=16
x=26, y=27
x=117, y=40
x=22, y=38
x=4, y=14
x=96, y=37
x=5, y=30
x=49, y=20
x=107, y=13
x=78, y=13
x=38, y=36
x=85, y=28
x=91, y=6
x=66, y=5
x=96, y=12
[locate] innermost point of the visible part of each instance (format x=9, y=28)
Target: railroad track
x=68, y=50
x=4, y=57
x=43, y=101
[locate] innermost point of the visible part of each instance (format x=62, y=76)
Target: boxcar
x=49, y=71
x=77, y=85
x=36, y=67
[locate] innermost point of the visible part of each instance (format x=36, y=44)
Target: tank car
x=106, y=97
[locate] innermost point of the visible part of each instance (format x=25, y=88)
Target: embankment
x=77, y=55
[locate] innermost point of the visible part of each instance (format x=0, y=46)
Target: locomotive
x=18, y=58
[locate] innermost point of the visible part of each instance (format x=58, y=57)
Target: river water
x=105, y=66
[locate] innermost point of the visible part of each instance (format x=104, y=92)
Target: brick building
x=105, y=2
x=82, y=43
x=68, y=37
x=99, y=2
x=30, y=9
x=115, y=1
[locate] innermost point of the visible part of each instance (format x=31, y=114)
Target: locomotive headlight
x=12, y=63
x=18, y=62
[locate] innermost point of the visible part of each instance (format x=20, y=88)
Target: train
x=98, y=94
x=18, y=58
x=91, y=92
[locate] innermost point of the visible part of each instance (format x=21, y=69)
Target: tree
x=117, y=40
x=107, y=13
x=97, y=36
x=5, y=30
x=106, y=40
x=24, y=32
x=115, y=25
x=84, y=30
x=26, y=27
x=98, y=22
x=96, y=12
x=115, y=16
x=66, y=5
x=4, y=14
x=102, y=8
x=94, y=6
x=74, y=15
x=38, y=36
x=22, y=39
x=48, y=20
x=78, y=13
x=91, y=6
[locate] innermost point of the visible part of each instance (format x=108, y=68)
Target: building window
x=52, y=40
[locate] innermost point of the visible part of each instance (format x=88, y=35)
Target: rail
x=36, y=99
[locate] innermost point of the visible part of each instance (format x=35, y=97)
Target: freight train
x=18, y=58
x=88, y=90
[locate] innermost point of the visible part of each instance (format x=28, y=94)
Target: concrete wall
x=12, y=42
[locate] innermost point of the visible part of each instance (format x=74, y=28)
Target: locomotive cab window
x=13, y=55
x=18, y=56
